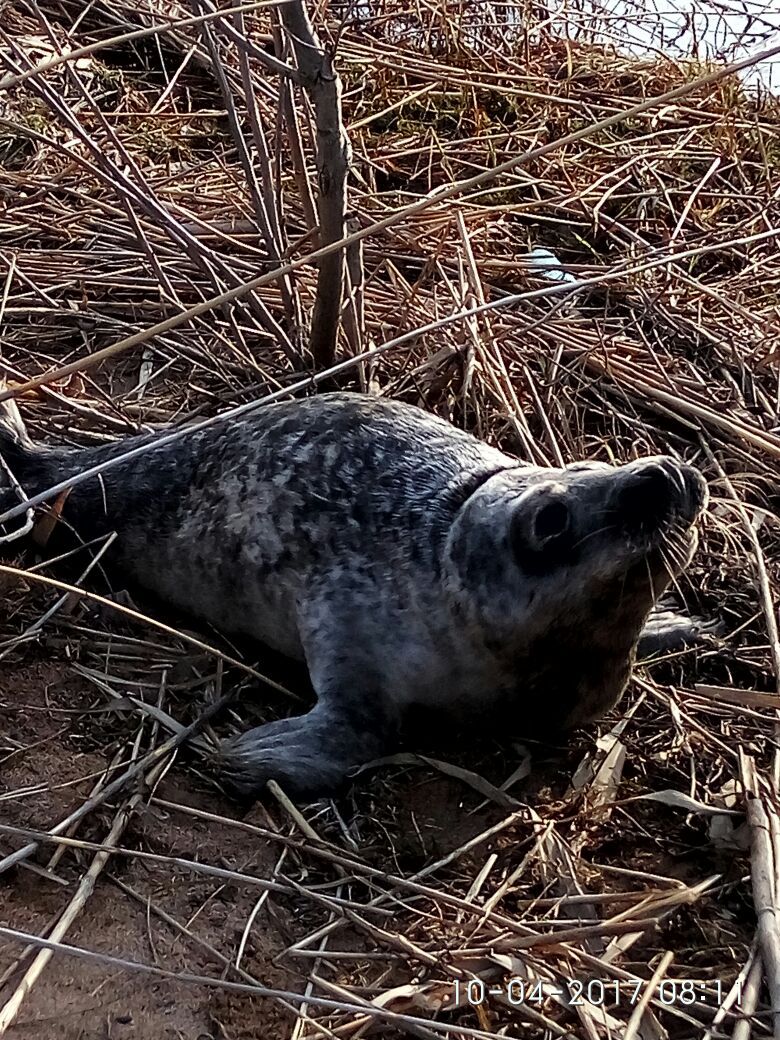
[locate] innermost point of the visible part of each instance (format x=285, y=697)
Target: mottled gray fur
x=404, y=561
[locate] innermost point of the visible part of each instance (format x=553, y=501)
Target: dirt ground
x=79, y=1000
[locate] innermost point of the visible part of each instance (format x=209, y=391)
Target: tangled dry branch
x=174, y=158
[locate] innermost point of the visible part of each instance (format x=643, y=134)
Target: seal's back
x=232, y=522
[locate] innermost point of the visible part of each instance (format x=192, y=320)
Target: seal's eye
x=542, y=536
x=550, y=522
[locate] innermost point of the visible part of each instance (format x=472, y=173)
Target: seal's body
x=404, y=561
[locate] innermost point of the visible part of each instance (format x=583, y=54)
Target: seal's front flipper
x=667, y=631
x=308, y=756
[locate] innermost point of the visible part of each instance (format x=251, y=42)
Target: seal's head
x=562, y=567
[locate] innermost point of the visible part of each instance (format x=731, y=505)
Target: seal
x=407, y=563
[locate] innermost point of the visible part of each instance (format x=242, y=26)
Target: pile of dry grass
x=164, y=168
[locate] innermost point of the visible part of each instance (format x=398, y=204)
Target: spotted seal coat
x=406, y=562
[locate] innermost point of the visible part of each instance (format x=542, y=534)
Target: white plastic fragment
x=545, y=263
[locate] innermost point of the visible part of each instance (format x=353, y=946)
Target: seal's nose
x=645, y=496
x=696, y=489
x=653, y=490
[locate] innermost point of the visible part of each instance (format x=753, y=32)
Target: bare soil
x=82, y=1000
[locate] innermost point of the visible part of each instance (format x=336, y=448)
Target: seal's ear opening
x=541, y=532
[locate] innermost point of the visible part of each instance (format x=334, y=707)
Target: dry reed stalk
x=159, y=185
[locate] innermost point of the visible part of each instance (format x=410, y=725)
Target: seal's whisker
x=671, y=570
x=592, y=534
x=676, y=549
x=651, y=580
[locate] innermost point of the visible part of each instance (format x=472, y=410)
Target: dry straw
x=160, y=244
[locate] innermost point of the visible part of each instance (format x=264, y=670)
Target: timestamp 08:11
x=612, y=993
